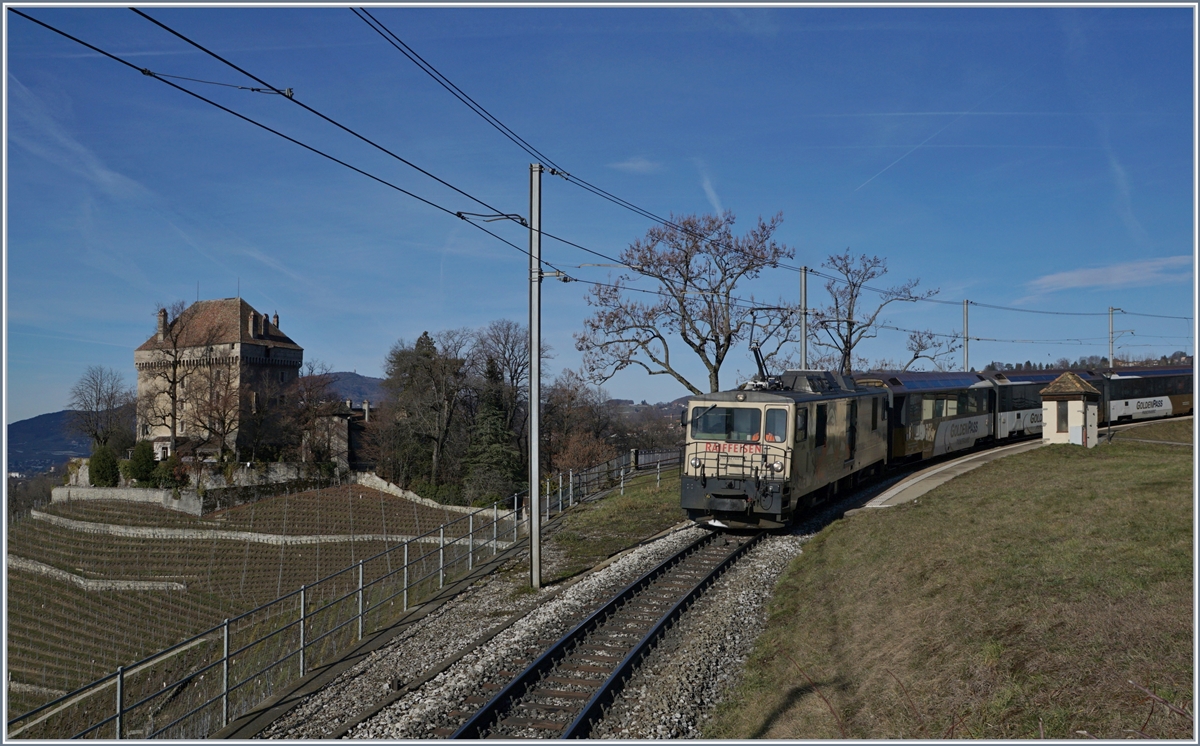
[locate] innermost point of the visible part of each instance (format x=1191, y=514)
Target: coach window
x=801, y=424
x=820, y=434
x=951, y=406
x=927, y=404
x=939, y=408
x=1062, y=416
x=776, y=429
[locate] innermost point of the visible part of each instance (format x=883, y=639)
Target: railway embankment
x=1042, y=594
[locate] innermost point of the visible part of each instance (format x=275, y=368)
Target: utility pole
x=535, y=370
x=966, y=340
x=804, y=318
x=1112, y=363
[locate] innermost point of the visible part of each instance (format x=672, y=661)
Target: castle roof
x=1069, y=384
x=222, y=321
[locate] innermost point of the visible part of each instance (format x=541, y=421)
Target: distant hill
x=36, y=444
x=356, y=388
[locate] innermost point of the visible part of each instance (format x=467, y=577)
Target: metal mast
x=535, y=370
x=804, y=318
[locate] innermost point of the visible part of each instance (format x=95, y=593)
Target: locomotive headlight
x=695, y=462
x=777, y=467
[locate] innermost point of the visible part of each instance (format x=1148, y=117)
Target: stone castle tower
x=205, y=374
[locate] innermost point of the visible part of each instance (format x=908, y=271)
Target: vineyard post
x=225, y=674
x=470, y=542
x=360, y=599
x=442, y=555
x=303, y=619
x=406, y=574
x=120, y=697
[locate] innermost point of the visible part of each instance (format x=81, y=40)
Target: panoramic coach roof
x=900, y=381
x=795, y=385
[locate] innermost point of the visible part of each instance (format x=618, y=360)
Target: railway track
x=565, y=690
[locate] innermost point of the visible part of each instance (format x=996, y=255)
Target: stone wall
x=183, y=501
x=91, y=584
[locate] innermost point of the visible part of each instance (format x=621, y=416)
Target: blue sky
x=1038, y=158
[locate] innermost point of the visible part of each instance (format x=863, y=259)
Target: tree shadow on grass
x=790, y=699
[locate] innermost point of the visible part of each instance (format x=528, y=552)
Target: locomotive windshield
x=733, y=424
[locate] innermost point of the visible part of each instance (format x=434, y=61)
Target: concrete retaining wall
x=188, y=501
x=153, y=532
x=367, y=479
x=91, y=584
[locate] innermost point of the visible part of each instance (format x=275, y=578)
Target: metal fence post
x=547, y=498
x=495, y=525
x=622, y=481
x=120, y=698
x=560, y=492
x=470, y=542
x=360, y=599
x=406, y=573
x=225, y=676
x=657, y=474
x=571, y=488
x=303, y=619
x=442, y=556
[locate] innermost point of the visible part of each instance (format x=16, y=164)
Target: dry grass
x=595, y=531
x=1017, y=600
x=1176, y=431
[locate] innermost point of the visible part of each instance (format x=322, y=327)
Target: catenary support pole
x=535, y=369
x=966, y=340
x=804, y=318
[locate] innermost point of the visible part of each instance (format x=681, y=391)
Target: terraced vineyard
x=61, y=636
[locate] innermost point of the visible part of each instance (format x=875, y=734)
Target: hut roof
x=1069, y=383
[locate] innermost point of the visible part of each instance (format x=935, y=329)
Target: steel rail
x=581, y=726
x=491, y=713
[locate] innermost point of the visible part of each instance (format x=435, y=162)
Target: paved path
x=915, y=485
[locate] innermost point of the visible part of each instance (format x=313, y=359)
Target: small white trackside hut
x=1070, y=408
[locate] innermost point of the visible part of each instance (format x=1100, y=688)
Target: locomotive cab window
x=801, y=424
x=776, y=429
x=734, y=424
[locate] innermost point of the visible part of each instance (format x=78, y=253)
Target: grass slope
x=594, y=531
x=1019, y=598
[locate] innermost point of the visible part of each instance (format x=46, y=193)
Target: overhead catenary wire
x=380, y=28
x=311, y=110
x=273, y=131
x=735, y=302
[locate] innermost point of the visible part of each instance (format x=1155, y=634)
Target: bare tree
x=849, y=318
x=429, y=382
x=177, y=349
x=923, y=344
x=214, y=406
x=697, y=266
x=102, y=406
x=507, y=343
x=306, y=405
